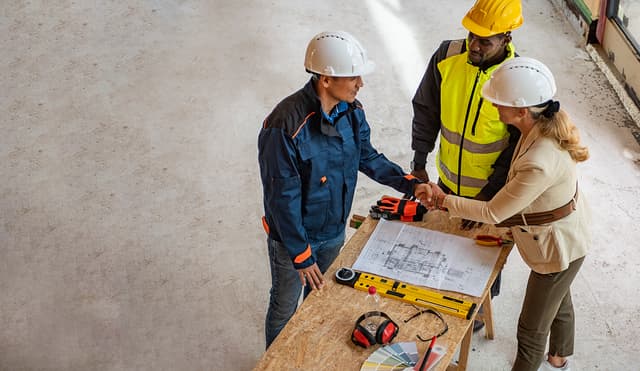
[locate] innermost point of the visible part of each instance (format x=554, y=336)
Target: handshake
x=430, y=195
x=407, y=210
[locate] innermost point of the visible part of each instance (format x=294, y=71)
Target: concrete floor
x=130, y=199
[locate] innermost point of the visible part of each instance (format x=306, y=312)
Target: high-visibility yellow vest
x=472, y=135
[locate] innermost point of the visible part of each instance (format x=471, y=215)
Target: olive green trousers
x=547, y=311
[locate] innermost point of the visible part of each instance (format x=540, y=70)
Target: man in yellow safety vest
x=475, y=146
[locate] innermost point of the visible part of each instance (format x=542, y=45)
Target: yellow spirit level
x=404, y=292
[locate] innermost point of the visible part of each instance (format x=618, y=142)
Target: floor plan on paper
x=428, y=258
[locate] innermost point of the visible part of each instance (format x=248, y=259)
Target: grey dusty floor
x=130, y=200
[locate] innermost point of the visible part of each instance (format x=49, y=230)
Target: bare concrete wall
x=623, y=56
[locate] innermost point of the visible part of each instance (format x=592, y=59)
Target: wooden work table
x=318, y=336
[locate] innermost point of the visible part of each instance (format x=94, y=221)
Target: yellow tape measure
x=407, y=293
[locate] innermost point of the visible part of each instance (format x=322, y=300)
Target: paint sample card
x=392, y=357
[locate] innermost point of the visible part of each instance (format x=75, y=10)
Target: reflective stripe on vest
x=472, y=135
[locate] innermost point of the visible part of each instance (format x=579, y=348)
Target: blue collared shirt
x=338, y=109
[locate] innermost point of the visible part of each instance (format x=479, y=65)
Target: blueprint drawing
x=429, y=258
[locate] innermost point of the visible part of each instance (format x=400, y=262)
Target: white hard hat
x=520, y=82
x=337, y=53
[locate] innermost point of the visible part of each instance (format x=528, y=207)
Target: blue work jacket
x=309, y=168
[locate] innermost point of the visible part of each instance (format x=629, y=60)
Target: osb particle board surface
x=318, y=337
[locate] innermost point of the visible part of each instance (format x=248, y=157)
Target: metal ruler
x=404, y=292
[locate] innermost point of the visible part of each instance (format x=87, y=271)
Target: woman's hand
x=437, y=198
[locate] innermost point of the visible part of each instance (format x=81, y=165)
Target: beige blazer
x=542, y=177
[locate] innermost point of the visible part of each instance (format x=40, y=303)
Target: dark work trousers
x=285, y=281
x=547, y=310
x=495, y=287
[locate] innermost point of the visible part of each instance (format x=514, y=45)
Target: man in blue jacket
x=311, y=148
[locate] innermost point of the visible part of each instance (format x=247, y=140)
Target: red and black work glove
x=393, y=208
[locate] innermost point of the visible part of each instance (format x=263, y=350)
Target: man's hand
x=470, y=224
x=421, y=174
x=423, y=193
x=312, y=276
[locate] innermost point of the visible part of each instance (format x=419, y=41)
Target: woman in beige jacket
x=541, y=203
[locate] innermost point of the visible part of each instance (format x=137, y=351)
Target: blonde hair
x=560, y=127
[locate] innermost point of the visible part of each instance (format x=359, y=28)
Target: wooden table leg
x=464, y=349
x=487, y=317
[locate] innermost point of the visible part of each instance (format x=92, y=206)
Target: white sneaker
x=546, y=366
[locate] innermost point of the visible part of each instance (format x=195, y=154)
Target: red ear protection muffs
x=385, y=332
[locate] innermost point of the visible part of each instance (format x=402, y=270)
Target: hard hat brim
x=365, y=69
x=477, y=29
x=488, y=93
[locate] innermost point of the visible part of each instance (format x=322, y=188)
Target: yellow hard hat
x=491, y=17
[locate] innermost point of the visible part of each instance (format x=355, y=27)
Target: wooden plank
x=318, y=337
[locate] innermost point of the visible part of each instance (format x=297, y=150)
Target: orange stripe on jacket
x=304, y=256
x=409, y=177
x=304, y=122
x=265, y=225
